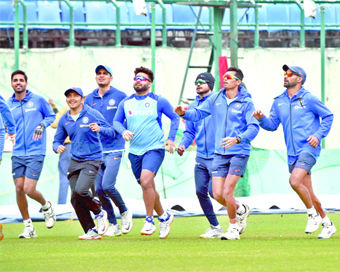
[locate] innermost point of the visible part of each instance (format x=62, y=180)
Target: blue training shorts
x=151, y=160
x=229, y=164
x=28, y=166
x=305, y=161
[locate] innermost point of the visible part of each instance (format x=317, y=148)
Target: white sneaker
x=212, y=232
x=313, y=223
x=233, y=233
x=28, y=232
x=113, y=230
x=148, y=229
x=164, y=227
x=126, y=221
x=328, y=229
x=90, y=235
x=102, y=224
x=242, y=219
x=50, y=217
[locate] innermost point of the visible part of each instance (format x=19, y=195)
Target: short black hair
x=19, y=72
x=238, y=71
x=145, y=71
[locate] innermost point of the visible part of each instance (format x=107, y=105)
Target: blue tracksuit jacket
x=6, y=116
x=230, y=120
x=85, y=144
x=300, y=118
x=202, y=130
x=144, y=118
x=29, y=113
x=107, y=106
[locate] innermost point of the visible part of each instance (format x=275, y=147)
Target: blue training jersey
x=107, y=106
x=144, y=118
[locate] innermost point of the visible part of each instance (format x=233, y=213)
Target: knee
x=218, y=196
x=19, y=188
x=29, y=190
x=294, y=182
x=110, y=188
x=100, y=191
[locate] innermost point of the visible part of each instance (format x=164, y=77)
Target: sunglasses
x=289, y=74
x=201, y=81
x=227, y=76
x=141, y=78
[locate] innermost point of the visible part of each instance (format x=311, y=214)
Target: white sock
x=312, y=211
x=46, y=206
x=164, y=216
x=234, y=226
x=326, y=220
x=28, y=223
x=241, y=209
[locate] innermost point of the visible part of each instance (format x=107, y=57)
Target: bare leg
x=150, y=195
x=296, y=182
x=30, y=190
x=217, y=185
x=307, y=181
x=21, y=197
x=228, y=194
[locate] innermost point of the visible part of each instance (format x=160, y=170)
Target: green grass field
x=270, y=243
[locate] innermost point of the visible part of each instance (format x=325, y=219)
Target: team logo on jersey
x=112, y=102
x=85, y=120
x=29, y=104
x=237, y=106
x=147, y=104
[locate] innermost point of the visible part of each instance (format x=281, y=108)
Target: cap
x=208, y=77
x=296, y=69
x=107, y=68
x=74, y=89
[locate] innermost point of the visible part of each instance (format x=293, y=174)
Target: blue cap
x=296, y=69
x=107, y=68
x=74, y=89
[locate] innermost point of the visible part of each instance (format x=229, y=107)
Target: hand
x=313, y=141
x=94, y=127
x=180, y=150
x=179, y=110
x=228, y=142
x=171, y=146
x=38, y=132
x=50, y=101
x=11, y=137
x=258, y=114
x=61, y=149
x=127, y=135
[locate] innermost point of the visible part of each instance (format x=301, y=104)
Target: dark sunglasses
x=141, y=78
x=201, y=81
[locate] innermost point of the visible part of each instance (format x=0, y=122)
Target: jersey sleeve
x=168, y=110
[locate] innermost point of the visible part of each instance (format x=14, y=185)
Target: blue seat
x=159, y=14
x=112, y=15
x=78, y=14
x=278, y=14
x=337, y=13
x=204, y=19
x=96, y=12
x=32, y=14
x=49, y=12
x=330, y=18
x=6, y=13
x=242, y=18
x=138, y=19
x=226, y=20
x=183, y=14
x=262, y=17
x=294, y=16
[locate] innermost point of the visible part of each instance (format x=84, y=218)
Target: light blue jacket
x=230, y=120
x=202, y=130
x=29, y=113
x=300, y=118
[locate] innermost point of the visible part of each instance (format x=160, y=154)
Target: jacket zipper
x=23, y=127
x=291, y=129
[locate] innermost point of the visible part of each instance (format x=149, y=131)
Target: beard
x=141, y=89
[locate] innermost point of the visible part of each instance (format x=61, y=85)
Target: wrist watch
x=238, y=139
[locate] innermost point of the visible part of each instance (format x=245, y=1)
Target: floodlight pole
x=322, y=48
x=153, y=42
x=16, y=34
x=233, y=33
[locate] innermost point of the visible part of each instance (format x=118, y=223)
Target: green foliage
x=270, y=243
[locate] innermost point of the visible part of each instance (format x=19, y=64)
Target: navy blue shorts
x=229, y=164
x=150, y=160
x=305, y=161
x=28, y=166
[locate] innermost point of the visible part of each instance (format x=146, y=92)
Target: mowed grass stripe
x=270, y=243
